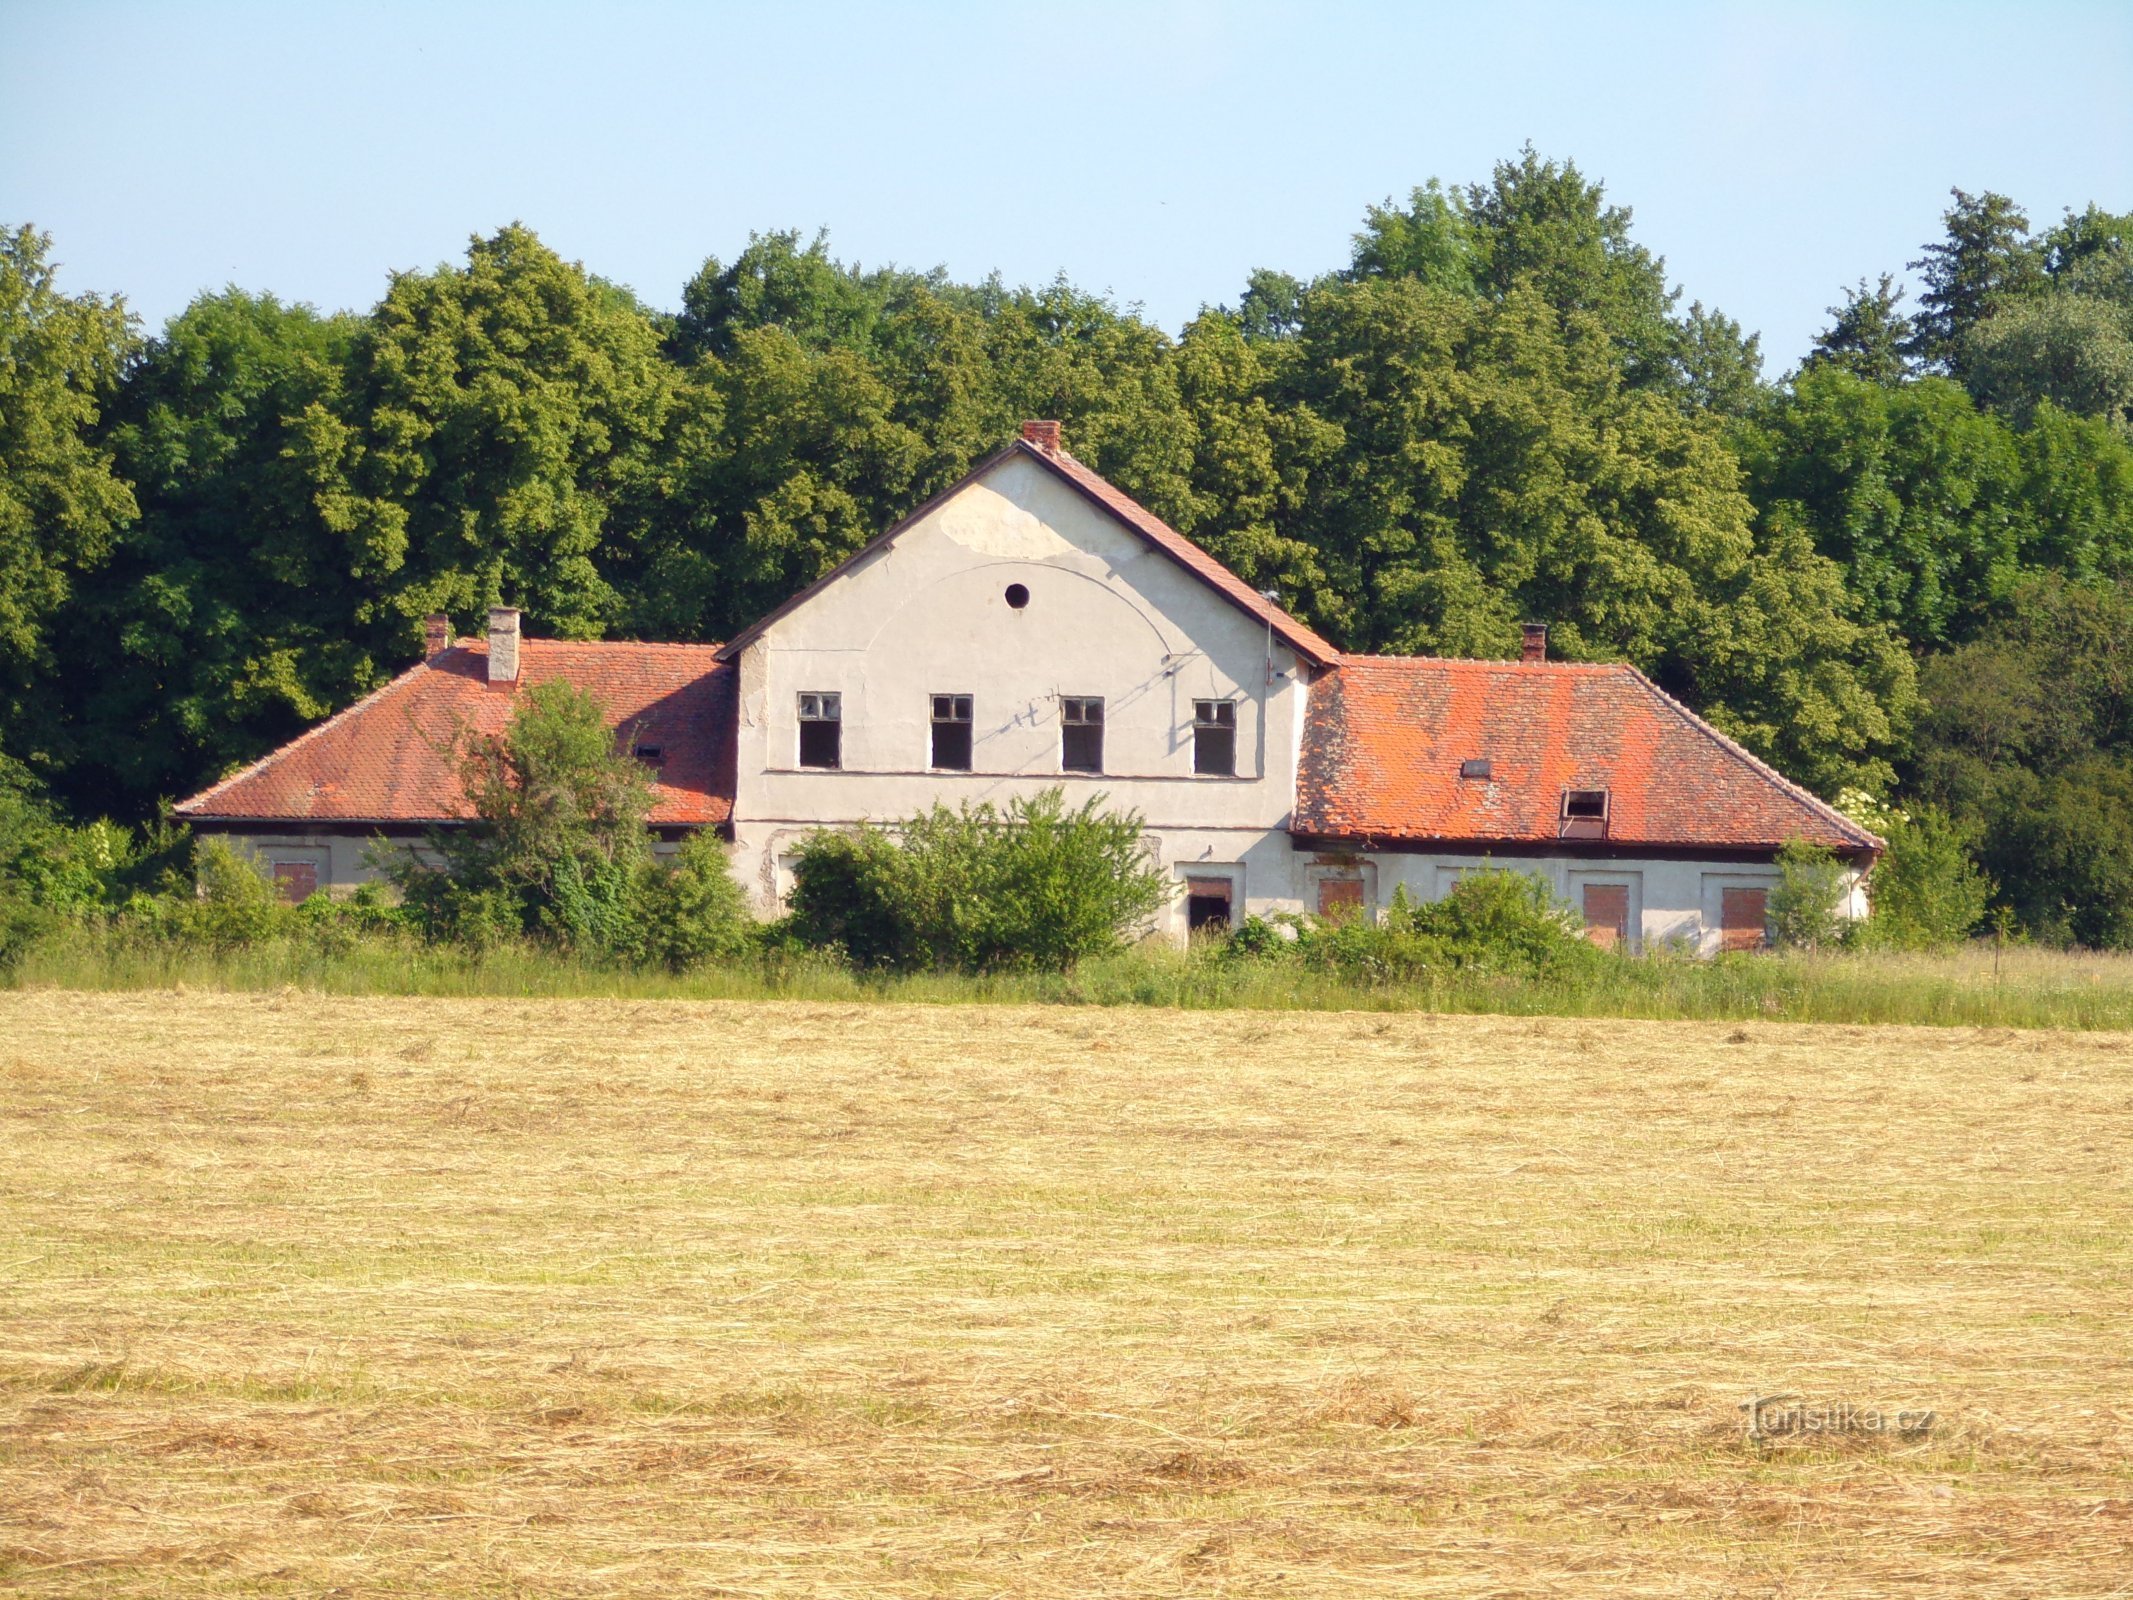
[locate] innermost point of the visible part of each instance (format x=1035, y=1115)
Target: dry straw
x=309, y=1295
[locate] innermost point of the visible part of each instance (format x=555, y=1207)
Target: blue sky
x=1157, y=150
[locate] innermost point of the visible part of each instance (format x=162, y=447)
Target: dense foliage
x=556, y=850
x=1497, y=409
x=1031, y=886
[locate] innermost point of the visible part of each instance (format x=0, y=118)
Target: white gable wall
x=1108, y=616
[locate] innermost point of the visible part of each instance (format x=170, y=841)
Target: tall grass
x=1971, y=987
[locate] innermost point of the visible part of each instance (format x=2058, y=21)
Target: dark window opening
x=1017, y=596
x=1477, y=768
x=652, y=755
x=1584, y=814
x=1081, y=734
x=1214, y=738
x=951, y=732
x=1207, y=904
x=821, y=730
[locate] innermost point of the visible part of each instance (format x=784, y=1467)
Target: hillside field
x=306, y=1295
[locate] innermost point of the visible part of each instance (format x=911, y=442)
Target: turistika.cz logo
x=1782, y=1416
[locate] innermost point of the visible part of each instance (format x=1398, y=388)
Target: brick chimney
x=1044, y=435
x=1535, y=649
x=503, y=645
x=436, y=635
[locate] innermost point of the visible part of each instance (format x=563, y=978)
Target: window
x=652, y=755
x=1207, y=902
x=1214, y=738
x=1584, y=814
x=821, y=730
x=1478, y=767
x=951, y=732
x=1081, y=734
x=1743, y=916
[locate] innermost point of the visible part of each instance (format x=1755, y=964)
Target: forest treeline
x=1903, y=567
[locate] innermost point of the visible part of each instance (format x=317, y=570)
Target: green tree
x=1984, y=260
x=1805, y=902
x=1867, y=335
x=493, y=415
x=61, y=502
x=226, y=618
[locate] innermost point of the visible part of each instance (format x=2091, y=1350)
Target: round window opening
x=1017, y=596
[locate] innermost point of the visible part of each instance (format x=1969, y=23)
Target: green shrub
x=692, y=911
x=1494, y=922
x=1927, y=892
x=1803, y=908
x=1033, y=886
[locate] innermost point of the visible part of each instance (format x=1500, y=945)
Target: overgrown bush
x=1804, y=906
x=1493, y=922
x=1926, y=891
x=556, y=850
x=1032, y=886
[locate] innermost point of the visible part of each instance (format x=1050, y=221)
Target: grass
x=312, y=1295
x=2021, y=987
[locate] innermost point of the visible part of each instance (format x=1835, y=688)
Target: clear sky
x=1772, y=153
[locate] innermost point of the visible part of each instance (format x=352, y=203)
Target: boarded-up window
x=1340, y=897
x=1207, y=902
x=1607, y=914
x=1743, y=915
x=295, y=881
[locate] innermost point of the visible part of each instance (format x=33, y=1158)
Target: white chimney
x=503, y=644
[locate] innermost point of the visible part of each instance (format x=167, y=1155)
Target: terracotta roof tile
x=1386, y=736
x=387, y=758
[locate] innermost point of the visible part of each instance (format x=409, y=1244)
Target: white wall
x=1671, y=902
x=1108, y=616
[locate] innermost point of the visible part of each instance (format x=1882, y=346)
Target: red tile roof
x=387, y=758
x=1386, y=736
x=1136, y=517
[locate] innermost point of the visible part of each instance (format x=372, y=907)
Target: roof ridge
x=1741, y=752
x=1346, y=656
x=274, y=756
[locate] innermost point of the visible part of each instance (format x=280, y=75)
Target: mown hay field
x=304, y=1295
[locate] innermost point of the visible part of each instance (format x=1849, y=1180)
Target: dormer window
x=1584, y=814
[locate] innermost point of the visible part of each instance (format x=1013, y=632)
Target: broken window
x=821, y=730
x=1207, y=905
x=951, y=732
x=1584, y=814
x=1081, y=734
x=1214, y=738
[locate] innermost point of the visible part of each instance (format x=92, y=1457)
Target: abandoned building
x=1032, y=626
